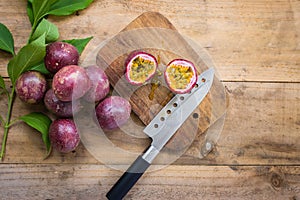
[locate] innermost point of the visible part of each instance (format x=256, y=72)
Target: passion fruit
x=100, y=84
x=64, y=135
x=140, y=67
x=61, y=108
x=70, y=82
x=180, y=76
x=113, y=112
x=60, y=54
x=31, y=87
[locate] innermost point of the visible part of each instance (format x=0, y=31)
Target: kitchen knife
x=161, y=129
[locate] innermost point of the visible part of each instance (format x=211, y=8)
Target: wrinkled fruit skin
x=100, y=84
x=113, y=112
x=63, y=135
x=70, y=82
x=60, y=54
x=174, y=82
x=140, y=75
x=60, y=108
x=31, y=87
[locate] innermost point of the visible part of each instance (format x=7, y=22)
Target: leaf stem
x=7, y=123
x=30, y=36
x=13, y=122
x=6, y=92
x=34, y=25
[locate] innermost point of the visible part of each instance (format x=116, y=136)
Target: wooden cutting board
x=153, y=33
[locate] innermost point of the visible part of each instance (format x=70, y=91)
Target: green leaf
x=80, y=44
x=2, y=83
x=40, y=122
x=30, y=55
x=30, y=11
x=40, y=67
x=47, y=28
x=67, y=7
x=6, y=40
x=40, y=9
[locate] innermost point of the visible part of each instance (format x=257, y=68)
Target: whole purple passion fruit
x=60, y=54
x=113, y=112
x=60, y=108
x=31, y=87
x=70, y=82
x=100, y=84
x=140, y=67
x=180, y=76
x=63, y=135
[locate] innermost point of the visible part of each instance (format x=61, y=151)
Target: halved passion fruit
x=140, y=67
x=181, y=76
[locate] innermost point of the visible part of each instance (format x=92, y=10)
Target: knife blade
x=162, y=127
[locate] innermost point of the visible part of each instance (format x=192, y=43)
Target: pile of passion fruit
x=72, y=84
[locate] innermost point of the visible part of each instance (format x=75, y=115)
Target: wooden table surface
x=255, y=45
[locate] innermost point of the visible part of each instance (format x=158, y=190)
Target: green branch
x=7, y=123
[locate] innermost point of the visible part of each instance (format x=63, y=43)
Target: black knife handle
x=128, y=179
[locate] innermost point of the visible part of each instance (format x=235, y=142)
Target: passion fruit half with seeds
x=140, y=67
x=180, y=76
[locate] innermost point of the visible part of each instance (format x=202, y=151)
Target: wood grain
x=248, y=40
x=261, y=127
x=173, y=182
x=258, y=127
x=255, y=48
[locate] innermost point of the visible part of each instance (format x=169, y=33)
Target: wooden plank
x=31, y=181
x=261, y=127
x=247, y=40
